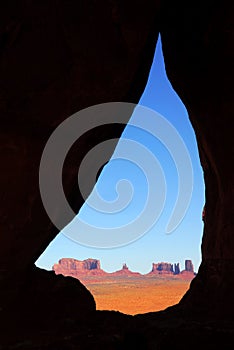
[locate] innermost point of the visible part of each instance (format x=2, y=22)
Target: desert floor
x=133, y=295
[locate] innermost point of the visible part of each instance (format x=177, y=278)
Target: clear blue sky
x=156, y=245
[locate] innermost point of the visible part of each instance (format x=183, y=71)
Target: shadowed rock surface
x=59, y=57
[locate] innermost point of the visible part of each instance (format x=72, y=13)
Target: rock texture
x=163, y=268
x=194, y=58
x=58, y=57
x=92, y=267
x=88, y=267
x=189, y=266
x=125, y=272
x=168, y=269
x=76, y=268
x=177, y=269
x=77, y=265
x=188, y=272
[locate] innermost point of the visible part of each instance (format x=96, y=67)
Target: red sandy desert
x=127, y=291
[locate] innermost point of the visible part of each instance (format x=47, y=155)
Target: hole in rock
x=153, y=269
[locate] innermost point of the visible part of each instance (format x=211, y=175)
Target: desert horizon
x=127, y=291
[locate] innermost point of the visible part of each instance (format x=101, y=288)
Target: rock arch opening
x=60, y=57
x=159, y=264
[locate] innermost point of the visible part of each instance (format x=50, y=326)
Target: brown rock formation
x=125, y=267
x=177, y=269
x=77, y=268
x=89, y=267
x=58, y=57
x=188, y=272
x=168, y=269
x=92, y=267
x=77, y=265
x=163, y=268
x=125, y=272
x=189, y=266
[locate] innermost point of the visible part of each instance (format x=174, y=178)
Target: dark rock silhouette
x=58, y=57
x=41, y=291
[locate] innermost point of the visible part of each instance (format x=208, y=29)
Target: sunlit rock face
x=92, y=267
x=78, y=268
x=163, y=268
x=80, y=265
x=59, y=57
x=189, y=266
x=177, y=269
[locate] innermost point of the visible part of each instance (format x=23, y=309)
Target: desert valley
x=127, y=291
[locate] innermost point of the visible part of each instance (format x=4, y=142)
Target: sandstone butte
x=92, y=267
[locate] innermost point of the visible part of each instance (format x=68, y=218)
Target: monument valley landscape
x=127, y=291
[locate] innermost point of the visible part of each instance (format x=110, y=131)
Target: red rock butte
x=92, y=267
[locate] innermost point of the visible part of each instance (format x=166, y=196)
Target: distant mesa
x=162, y=268
x=189, y=269
x=125, y=272
x=189, y=266
x=92, y=267
x=75, y=268
x=165, y=268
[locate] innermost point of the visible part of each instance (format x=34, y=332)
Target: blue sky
x=156, y=245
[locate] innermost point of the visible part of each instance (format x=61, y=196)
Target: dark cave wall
x=59, y=57
x=198, y=48
x=56, y=58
